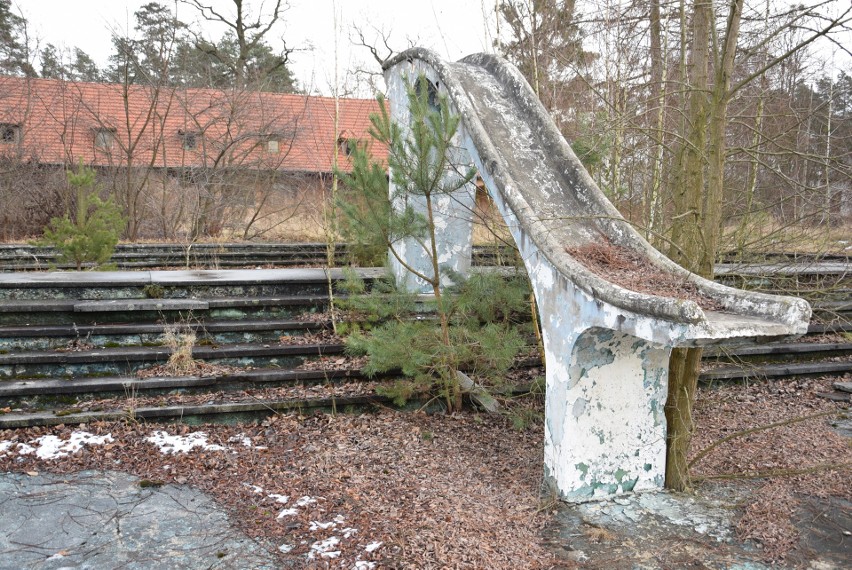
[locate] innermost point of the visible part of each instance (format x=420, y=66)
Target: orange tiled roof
x=59, y=122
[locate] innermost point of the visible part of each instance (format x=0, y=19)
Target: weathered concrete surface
x=121, y=305
x=661, y=530
x=606, y=348
x=105, y=520
x=452, y=210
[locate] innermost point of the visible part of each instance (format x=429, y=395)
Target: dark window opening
x=347, y=146
x=189, y=140
x=104, y=138
x=8, y=133
x=431, y=90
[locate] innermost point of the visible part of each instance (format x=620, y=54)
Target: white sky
x=453, y=28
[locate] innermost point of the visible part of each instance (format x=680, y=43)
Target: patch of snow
x=279, y=498
x=306, y=500
x=182, y=443
x=287, y=513
x=51, y=447
x=5, y=446
x=242, y=438
x=285, y=548
x=315, y=526
x=324, y=548
x=362, y=565
x=245, y=441
x=349, y=531
x=254, y=488
x=373, y=546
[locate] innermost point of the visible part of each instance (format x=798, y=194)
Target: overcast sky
x=453, y=28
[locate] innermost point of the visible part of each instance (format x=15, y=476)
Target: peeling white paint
x=606, y=348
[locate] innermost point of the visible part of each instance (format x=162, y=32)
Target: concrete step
x=127, y=360
x=51, y=337
x=31, y=312
x=231, y=412
x=782, y=351
x=171, y=284
x=769, y=371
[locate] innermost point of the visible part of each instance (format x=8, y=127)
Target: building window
x=104, y=138
x=346, y=146
x=189, y=140
x=9, y=132
x=272, y=146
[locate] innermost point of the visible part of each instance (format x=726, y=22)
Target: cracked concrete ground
x=106, y=520
x=664, y=530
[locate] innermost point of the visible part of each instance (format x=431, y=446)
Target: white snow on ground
x=285, y=548
x=315, y=526
x=51, y=447
x=182, y=443
x=294, y=510
x=373, y=546
x=245, y=441
x=361, y=565
x=324, y=548
x=306, y=500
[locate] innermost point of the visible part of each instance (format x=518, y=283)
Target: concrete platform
x=105, y=520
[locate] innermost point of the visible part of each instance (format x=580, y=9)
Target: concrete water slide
x=606, y=347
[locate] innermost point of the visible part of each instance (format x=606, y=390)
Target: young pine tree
x=431, y=351
x=91, y=236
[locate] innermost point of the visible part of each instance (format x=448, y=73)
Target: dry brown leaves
x=627, y=269
x=807, y=445
x=282, y=393
x=437, y=492
x=324, y=336
x=193, y=367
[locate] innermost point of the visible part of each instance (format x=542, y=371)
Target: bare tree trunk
x=698, y=209
x=658, y=106
x=683, y=382
x=687, y=242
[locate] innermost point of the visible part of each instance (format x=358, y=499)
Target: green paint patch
x=582, y=468
x=619, y=474
x=647, y=467
x=628, y=486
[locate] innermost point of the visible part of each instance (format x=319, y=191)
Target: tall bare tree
x=244, y=53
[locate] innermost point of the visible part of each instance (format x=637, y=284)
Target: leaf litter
x=411, y=490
